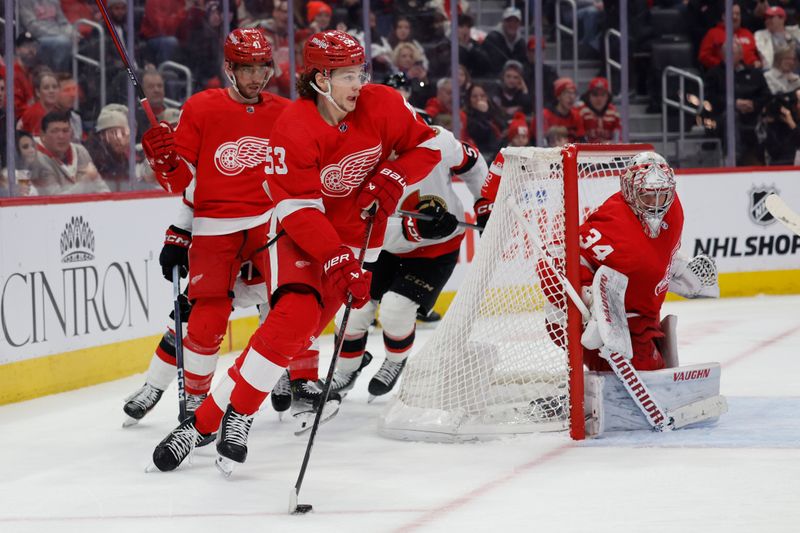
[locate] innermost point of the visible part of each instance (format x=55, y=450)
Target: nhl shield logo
x=758, y=210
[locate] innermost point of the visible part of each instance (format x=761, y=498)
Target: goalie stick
x=658, y=418
x=788, y=217
x=303, y=508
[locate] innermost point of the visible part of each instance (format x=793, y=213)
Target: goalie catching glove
x=443, y=224
x=344, y=271
x=175, y=252
x=383, y=191
x=694, y=278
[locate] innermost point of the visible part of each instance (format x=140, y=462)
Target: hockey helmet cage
x=648, y=187
x=331, y=49
x=248, y=46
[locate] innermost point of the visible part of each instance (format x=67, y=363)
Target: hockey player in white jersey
x=417, y=259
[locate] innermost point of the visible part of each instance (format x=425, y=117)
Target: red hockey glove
x=383, y=190
x=483, y=208
x=442, y=224
x=175, y=252
x=346, y=275
x=158, y=144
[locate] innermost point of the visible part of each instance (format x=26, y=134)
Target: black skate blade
x=298, y=508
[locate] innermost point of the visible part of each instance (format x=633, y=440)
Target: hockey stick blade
x=788, y=217
x=298, y=508
x=698, y=411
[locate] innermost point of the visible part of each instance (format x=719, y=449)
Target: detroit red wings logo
x=340, y=178
x=248, y=152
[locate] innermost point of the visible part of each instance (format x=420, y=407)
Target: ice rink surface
x=67, y=464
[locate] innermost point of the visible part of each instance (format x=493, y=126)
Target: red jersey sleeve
x=407, y=136
x=188, y=133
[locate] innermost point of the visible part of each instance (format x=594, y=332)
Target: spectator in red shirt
x=440, y=107
x=563, y=112
x=600, y=117
x=711, y=48
x=47, y=91
x=160, y=24
x=25, y=54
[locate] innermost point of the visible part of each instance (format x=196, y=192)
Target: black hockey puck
x=303, y=508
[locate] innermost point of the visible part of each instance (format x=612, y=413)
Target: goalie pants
x=646, y=356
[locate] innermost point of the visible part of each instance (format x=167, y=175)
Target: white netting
x=497, y=363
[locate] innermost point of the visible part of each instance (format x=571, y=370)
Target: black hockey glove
x=483, y=208
x=175, y=252
x=441, y=225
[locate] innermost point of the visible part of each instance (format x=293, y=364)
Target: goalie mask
x=330, y=50
x=248, y=49
x=648, y=186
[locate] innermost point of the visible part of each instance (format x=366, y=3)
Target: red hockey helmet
x=247, y=46
x=332, y=49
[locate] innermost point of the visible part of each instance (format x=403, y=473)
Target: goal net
x=506, y=358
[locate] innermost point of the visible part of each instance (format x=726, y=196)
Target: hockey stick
x=627, y=374
x=778, y=208
x=270, y=242
x=303, y=508
x=176, y=292
x=425, y=216
x=127, y=62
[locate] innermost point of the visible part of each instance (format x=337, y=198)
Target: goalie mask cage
x=506, y=358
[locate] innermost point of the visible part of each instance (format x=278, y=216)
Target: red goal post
x=506, y=358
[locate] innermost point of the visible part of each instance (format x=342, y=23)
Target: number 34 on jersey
x=589, y=242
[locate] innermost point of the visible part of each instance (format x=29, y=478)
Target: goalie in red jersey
x=327, y=166
x=637, y=232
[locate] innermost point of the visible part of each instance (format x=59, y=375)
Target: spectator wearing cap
x=506, y=41
x=776, y=35
x=518, y=132
x=109, y=146
x=511, y=96
x=470, y=53
x=549, y=74
x=601, y=121
x=61, y=166
x=782, y=78
x=711, y=47
x=563, y=112
x=45, y=20
x=25, y=48
x=46, y=90
x=318, y=16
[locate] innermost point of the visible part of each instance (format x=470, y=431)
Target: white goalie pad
x=694, y=278
x=608, y=309
x=689, y=395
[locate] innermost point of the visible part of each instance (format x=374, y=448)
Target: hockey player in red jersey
x=217, y=157
x=327, y=165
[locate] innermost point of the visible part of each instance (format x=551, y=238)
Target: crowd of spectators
x=82, y=143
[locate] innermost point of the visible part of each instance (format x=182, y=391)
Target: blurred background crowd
x=75, y=131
